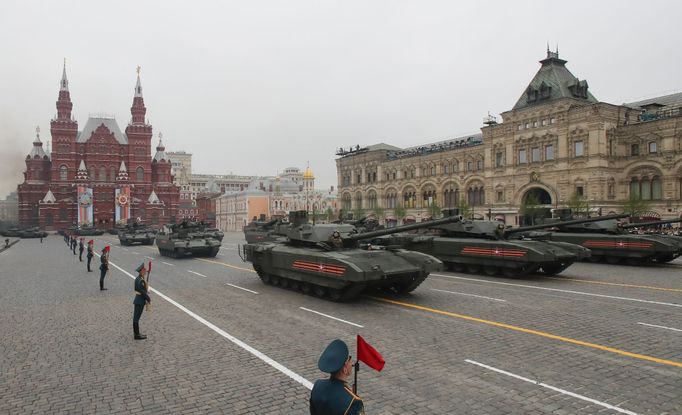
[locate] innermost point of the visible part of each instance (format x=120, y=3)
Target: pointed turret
x=138, y=110
x=49, y=197
x=64, y=104
x=122, y=173
x=82, y=173
x=160, y=151
x=37, y=150
x=153, y=198
x=554, y=81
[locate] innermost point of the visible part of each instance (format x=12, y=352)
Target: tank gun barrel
x=404, y=228
x=653, y=223
x=565, y=223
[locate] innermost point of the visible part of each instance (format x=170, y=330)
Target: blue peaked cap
x=334, y=357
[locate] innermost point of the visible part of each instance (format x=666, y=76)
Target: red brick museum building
x=99, y=175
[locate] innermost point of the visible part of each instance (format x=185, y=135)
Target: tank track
x=336, y=295
x=492, y=271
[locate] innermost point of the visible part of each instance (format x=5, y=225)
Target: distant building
x=9, y=208
x=558, y=142
x=99, y=175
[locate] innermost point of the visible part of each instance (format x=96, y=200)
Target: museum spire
x=138, y=110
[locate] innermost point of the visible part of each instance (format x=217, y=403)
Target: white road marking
x=125, y=249
x=660, y=327
x=470, y=295
x=262, y=356
x=563, y=291
x=554, y=388
x=148, y=257
x=167, y=263
x=196, y=273
x=241, y=288
x=136, y=253
x=331, y=317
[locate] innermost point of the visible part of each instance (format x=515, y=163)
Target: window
x=578, y=148
x=470, y=165
x=652, y=147
x=527, y=125
x=522, y=156
x=634, y=150
x=479, y=165
x=519, y=127
x=549, y=152
x=63, y=173
x=372, y=200
x=359, y=179
x=113, y=173
x=445, y=169
x=580, y=190
x=499, y=159
x=102, y=174
x=535, y=124
x=433, y=170
x=391, y=199
x=535, y=154
x=450, y=197
x=552, y=120
x=544, y=122
x=139, y=174
x=500, y=196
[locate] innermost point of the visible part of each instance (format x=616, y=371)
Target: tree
x=579, y=205
x=464, y=209
x=530, y=207
x=635, y=206
x=399, y=212
x=378, y=212
x=434, y=210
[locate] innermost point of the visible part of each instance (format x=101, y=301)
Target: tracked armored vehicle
x=329, y=260
x=85, y=230
x=34, y=232
x=260, y=231
x=490, y=248
x=187, y=239
x=135, y=233
x=610, y=241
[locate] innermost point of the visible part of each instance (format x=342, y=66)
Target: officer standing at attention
x=333, y=396
x=103, y=267
x=74, y=243
x=141, y=298
x=90, y=253
x=80, y=249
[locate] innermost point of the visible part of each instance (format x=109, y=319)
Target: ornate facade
x=557, y=141
x=98, y=175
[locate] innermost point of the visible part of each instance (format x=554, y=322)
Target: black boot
x=136, y=330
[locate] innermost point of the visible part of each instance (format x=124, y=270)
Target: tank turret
x=653, y=223
x=187, y=238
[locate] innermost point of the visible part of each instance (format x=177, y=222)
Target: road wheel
x=613, y=260
x=319, y=291
x=284, y=282
x=305, y=287
x=490, y=270
x=473, y=268
x=275, y=280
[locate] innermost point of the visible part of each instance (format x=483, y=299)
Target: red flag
x=369, y=356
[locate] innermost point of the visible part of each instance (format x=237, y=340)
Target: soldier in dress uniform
x=333, y=396
x=74, y=243
x=141, y=299
x=103, y=267
x=81, y=247
x=90, y=253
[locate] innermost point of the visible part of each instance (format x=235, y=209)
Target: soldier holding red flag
x=333, y=396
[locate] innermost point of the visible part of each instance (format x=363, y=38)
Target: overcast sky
x=252, y=87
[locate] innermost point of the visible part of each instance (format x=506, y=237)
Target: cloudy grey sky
x=252, y=87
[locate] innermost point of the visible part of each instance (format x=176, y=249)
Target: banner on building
x=85, y=210
x=122, y=196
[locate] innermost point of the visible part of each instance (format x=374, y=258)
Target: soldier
x=333, y=396
x=73, y=244
x=90, y=253
x=104, y=267
x=81, y=247
x=335, y=240
x=141, y=298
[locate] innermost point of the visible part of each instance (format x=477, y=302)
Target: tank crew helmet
x=336, y=234
x=140, y=268
x=334, y=357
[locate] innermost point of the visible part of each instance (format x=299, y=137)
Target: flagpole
x=355, y=382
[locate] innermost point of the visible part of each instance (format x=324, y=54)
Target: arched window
x=409, y=198
x=139, y=174
x=358, y=200
x=112, y=176
x=634, y=150
x=656, y=191
x=634, y=188
x=391, y=199
x=371, y=199
x=92, y=171
x=450, y=197
x=476, y=195
x=102, y=174
x=445, y=168
x=645, y=188
x=429, y=196
x=63, y=173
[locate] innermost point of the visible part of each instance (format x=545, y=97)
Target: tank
x=186, y=239
x=136, y=233
x=611, y=242
x=331, y=261
x=260, y=231
x=34, y=232
x=85, y=230
x=490, y=248
x=11, y=232
x=216, y=233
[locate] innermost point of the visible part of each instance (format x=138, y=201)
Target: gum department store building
x=99, y=175
x=557, y=141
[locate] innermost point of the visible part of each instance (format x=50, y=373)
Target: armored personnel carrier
x=186, y=239
x=610, y=241
x=136, y=233
x=490, y=248
x=329, y=261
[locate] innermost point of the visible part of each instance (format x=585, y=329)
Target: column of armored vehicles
x=339, y=261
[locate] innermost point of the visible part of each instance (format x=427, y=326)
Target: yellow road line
x=225, y=264
x=535, y=332
x=648, y=287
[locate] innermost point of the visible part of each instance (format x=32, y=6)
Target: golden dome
x=308, y=173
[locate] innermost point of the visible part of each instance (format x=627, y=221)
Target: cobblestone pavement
x=596, y=339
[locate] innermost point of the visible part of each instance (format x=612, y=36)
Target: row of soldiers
x=141, y=292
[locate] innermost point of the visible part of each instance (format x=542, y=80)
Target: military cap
x=140, y=267
x=106, y=249
x=334, y=357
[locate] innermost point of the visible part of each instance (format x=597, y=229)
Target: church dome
x=308, y=173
